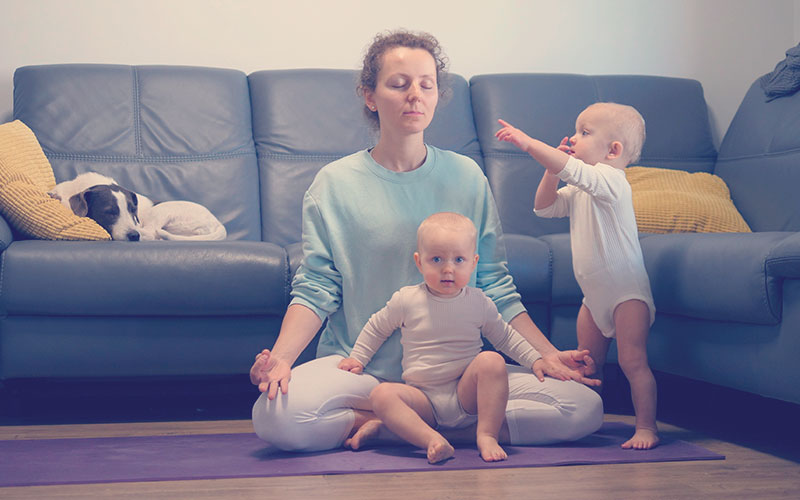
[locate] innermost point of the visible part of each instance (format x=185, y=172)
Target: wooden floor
x=745, y=473
x=760, y=441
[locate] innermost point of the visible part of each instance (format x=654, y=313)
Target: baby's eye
x=460, y=260
x=436, y=260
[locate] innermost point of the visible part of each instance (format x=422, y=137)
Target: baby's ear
x=615, y=150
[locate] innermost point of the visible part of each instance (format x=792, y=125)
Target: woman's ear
x=369, y=102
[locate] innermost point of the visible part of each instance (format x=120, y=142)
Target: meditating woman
x=360, y=217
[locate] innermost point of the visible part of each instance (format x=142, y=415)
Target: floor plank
x=746, y=473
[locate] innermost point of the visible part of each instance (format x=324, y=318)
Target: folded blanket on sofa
x=181, y=220
x=785, y=78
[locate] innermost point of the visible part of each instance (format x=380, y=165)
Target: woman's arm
x=273, y=369
x=563, y=365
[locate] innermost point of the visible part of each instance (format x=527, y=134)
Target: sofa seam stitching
x=759, y=155
x=137, y=131
x=139, y=158
x=302, y=156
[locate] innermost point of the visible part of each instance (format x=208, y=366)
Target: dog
x=116, y=209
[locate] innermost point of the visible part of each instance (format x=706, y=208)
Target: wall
x=725, y=44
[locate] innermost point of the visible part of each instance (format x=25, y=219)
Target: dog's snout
x=133, y=236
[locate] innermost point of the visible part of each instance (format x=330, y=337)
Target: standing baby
x=606, y=255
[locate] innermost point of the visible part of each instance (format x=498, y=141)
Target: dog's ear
x=78, y=204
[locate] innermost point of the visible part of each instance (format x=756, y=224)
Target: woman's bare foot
x=490, y=449
x=643, y=439
x=368, y=432
x=439, y=450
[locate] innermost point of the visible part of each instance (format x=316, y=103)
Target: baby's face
x=446, y=259
x=592, y=140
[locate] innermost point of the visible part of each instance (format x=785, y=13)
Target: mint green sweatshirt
x=360, y=233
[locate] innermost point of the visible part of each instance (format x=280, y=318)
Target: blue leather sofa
x=247, y=147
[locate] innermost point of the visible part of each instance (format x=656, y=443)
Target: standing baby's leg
x=632, y=323
x=590, y=337
x=483, y=389
x=406, y=411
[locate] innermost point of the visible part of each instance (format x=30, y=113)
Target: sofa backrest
x=306, y=118
x=545, y=106
x=168, y=132
x=759, y=159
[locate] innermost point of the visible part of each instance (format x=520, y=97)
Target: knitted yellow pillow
x=25, y=178
x=675, y=201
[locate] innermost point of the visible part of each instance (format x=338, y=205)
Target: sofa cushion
x=675, y=201
x=152, y=278
x=713, y=276
x=529, y=263
x=25, y=177
x=168, y=132
x=759, y=159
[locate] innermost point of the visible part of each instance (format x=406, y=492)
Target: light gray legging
x=317, y=413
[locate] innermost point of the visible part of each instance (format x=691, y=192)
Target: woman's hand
x=270, y=373
x=571, y=365
x=351, y=365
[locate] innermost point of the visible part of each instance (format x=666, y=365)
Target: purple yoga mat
x=215, y=456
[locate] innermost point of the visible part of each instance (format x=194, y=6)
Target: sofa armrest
x=784, y=260
x=6, y=236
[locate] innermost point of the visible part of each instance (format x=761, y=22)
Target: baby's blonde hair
x=628, y=128
x=447, y=220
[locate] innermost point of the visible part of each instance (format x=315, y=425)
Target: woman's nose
x=414, y=92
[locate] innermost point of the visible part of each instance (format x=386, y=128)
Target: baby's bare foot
x=643, y=439
x=439, y=450
x=367, y=433
x=490, y=449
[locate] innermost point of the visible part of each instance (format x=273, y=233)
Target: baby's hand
x=564, y=146
x=351, y=365
x=513, y=135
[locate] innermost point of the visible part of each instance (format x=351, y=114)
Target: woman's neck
x=400, y=154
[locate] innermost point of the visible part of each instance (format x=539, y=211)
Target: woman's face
x=406, y=92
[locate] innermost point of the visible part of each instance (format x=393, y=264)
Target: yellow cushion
x=25, y=178
x=675, y=201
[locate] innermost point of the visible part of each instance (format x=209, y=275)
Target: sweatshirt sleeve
x=493, y=277
x=317, y=284
x=379, y=327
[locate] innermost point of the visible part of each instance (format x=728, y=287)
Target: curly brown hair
x=387, y=40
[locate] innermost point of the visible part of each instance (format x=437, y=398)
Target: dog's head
x=115, y=208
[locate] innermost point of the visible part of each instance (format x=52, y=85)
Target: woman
x=360, y=217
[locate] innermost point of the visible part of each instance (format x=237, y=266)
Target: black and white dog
x=118, y=210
